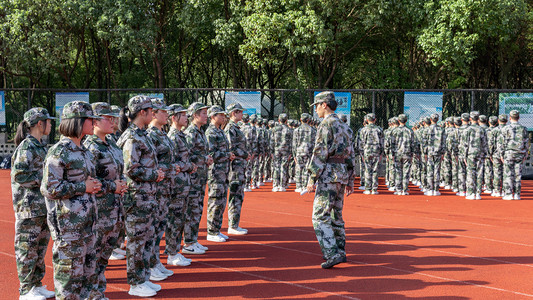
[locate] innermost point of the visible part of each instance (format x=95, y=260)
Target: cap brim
x=110, y=114
x=51, y=118
x=94, y=117
x=314, y=104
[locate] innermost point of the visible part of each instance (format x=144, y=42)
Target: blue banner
x=421, y=104
x=344, y=104
x=2, y=109
x=64, y=98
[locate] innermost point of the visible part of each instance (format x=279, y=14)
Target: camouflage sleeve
x=294, y=142
x=526, y=142
x=54, y=186
x=219, y=155
x=108, y=186
x=132, y=163
x=22, y=171
x=381, y=141
x=236, y=149
x=317, y=163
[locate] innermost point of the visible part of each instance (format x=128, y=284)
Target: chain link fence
x=384, y=103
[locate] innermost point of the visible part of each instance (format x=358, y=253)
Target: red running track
x=399, y=247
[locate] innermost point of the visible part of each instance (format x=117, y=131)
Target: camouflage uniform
x=282, y=151
x=446, y=167
x=218, y=148
x=181, y=185
x=31, y=230
x=197, y=144
x=302, y=148
x=256, y=169
x=452, y=144
x=462, y=154
x=387, y=148
x=497, y=155
x=237, y=145
x=71, y=212
x=405, y=147
x=435, y=138
x=515, y=141
x=475, y=153
x=331, y=168
x=140, y=203
x=489, y=175
x=250, y=133
x=424, y=154
x=358, y=144
x=371, y=148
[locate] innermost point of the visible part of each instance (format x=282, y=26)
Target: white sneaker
x=200, y=246
x=141, y=290
x=215, y=238
x=488, y=192
x=44, y=291
x=153, y=286
x=275, y=189
x=471, y=197
x=164, y=270
x=405, y=193
x=120, y=251
x=447, y=187
x=297, y=190
x=461, y=194
x=247, y=189
x=478, y=197
x=375, y=193
x=436, y=193
x=156, y=275
x=428, y=193
x=237, y=231
x=192, y=250
x=33, y=294
x=455, y=190
x=508, y=197
x=253, y=187
x=397, y=193
x=516, y=197
x=392, y=189
x=178, y=260
x=261, y=183
x=441, y=185
x=116, y=256
x=367, y=192
x=362, y=187
x=291, y=181
x=282, y=189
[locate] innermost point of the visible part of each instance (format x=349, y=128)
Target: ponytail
x=23, y=130
x=124, y=120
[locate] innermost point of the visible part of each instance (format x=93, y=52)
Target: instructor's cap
x=324, y=97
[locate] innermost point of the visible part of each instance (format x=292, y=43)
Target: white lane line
x=396, y=269
x=279, y=281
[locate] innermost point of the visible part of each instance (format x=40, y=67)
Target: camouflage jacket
x=515, y=141
x=495, y=141
x=260, y=140
x=165, y=151
x=452, y=141
x=462, y=145
x=435, y=138
x=218, y=148
x=371, y=140
x=140, y=163
x=283, y=140
x=302, y=142
x=71, y=211
x=236, y=140
x=250, y=133
x=26, y=176
x=477, y=141
x=358, y=143
x=197, y=144
x=387, y=141
x=333, y=144
x=109, y=165
x=490, y=141
x=181, y=155
x=404, y=141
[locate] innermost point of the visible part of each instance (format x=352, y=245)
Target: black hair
x=332, y=104
x=72, y=128
x=23, y=129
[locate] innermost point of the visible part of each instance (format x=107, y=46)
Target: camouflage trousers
x=423, y=171
x=31, y=241
x=249, y=171
x=236, y=193
x=139, y=232
x=489, y=177
x=302, y=175
x=75, y=268
x=361, y=171
x=292, y=168
x=196, y=205
x=327, y=218
x=267, y=166
x=216, y=204
x=177, y=209
x=461, y=175
x=163, y=195
x=389, y=171
x=415, y=169
x=402, y=164
x=256, y=172
x=512, y=175
x=497, y=167
x=371, y=173
x=446, y=169
x=108, y=229
x=474, y=175
x=455, y=173
x=433, y=172
x=281, y=170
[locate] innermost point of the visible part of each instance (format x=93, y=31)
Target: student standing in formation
x=142, y=173
x=181, y=185
x=69, y=185
x=331, y=169
x=372, y=149
x=31, y=230
x=217, y=182
x=109, y=171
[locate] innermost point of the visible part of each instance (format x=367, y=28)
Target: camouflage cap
x=245, y=117
x=215, y=109
x=196, y=106
x=115, y=109
x=271, y=123
x=434, y=117
x=234, y=106
x=283, y=117
x=159, y=104
x=37, y=114
x=370, y=117
x=324, y=97
x=457, y=121
x=483, y=118
x=253, y=118
x=465, y=116
x=493, y=120
x=474, y=115
x=138, y=103
x=78, y=109
x=514, y=113
x=502, y=118
x=176, y=108
x=395, y=120
x=103, y=109
x=427, y=120
x=402, y=118
x=305, y=117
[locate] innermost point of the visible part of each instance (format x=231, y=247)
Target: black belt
x=336, y=160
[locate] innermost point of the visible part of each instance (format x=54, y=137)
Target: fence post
x=472, y=100
x=373, y=102
x=283, y=101
x=29, y=99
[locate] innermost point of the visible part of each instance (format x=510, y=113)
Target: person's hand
x=209, y=160
x=92, y=185
x=160, y=175
x=121, y=187
x=310, y=188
